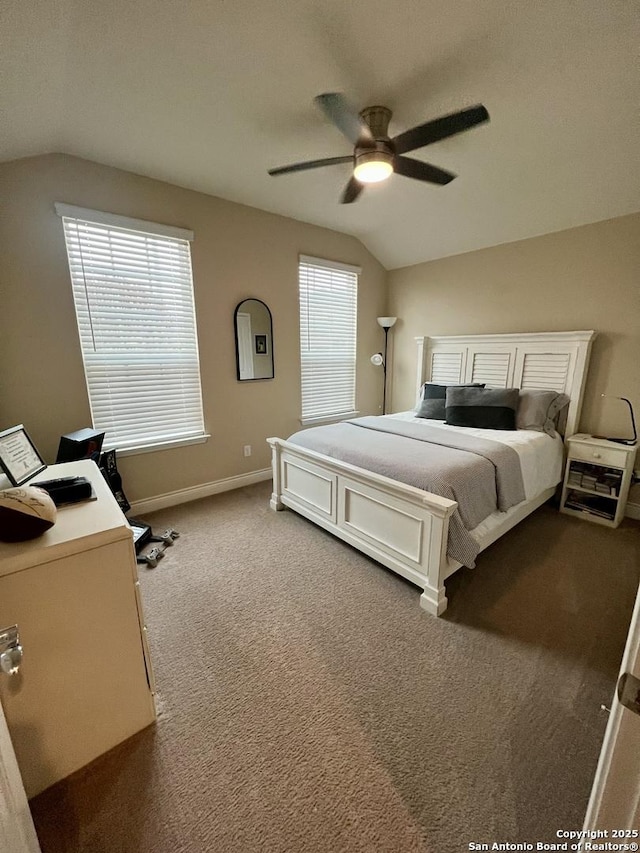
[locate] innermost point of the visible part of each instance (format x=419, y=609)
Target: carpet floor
x=307, y=703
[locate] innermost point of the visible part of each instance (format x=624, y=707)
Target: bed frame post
x=584, y=342
x=434, y=597
x=276, y=502
x=421, y=343
x=434, y=601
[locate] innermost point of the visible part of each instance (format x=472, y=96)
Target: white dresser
x=86, y=682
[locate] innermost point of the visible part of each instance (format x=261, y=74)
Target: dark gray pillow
x=433, y=397
x=487, y=408
x=538, y=410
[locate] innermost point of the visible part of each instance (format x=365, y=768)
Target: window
x=328, y=315
x=133, y=294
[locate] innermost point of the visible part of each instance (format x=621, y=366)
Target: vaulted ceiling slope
x=210, y=94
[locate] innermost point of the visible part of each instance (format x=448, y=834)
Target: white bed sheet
x=540, y=455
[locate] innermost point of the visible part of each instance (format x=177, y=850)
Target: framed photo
x=19, y=458
x=261, y=344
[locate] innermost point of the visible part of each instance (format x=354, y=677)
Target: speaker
x=81, y=444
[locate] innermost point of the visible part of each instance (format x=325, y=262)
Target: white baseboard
x=193, y=493
x=633, y=511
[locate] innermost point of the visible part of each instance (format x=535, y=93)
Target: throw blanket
x=481, y=475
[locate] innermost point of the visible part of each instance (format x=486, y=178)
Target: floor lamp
x=381, y=358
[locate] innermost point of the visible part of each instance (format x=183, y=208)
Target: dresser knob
x=597, y=455
x=10, y=650
x=10, y=660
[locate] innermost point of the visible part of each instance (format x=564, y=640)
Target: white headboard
x=547, y=360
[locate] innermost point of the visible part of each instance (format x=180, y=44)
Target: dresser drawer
x=598, y=455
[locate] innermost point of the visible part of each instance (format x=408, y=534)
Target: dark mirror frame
x=269, y=342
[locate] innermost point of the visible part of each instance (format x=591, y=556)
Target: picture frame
x=19, y=458
x=261, y=344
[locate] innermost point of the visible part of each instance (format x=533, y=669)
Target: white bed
x=405, y=528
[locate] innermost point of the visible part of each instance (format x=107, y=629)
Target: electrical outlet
x=247, y=450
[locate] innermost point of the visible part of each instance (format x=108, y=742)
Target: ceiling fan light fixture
x=373, y=166
x=376, y=155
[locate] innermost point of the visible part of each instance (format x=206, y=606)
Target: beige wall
x=578, y=279
x=583, y=278
x=238, y=252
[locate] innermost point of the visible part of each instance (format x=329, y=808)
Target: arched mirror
x=254, y=340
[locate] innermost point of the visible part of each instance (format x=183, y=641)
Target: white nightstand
x=596, y=479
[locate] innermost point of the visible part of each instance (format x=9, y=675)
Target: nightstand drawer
x=598, y=455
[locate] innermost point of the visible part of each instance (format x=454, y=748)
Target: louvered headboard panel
x=447, y=368
x=492, y=368
x=546, y=370
x=542, y=360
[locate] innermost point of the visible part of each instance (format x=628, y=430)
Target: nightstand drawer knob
x=597, y=455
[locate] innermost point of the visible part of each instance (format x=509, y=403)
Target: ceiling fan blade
x=351, y=191
x=411, y=168
x=440, y=128
x=345, y=117
x=311, y=164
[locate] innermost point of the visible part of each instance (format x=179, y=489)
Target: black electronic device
x=109, y=469
x=143, y=535
x=81, y=444
x=67, y=490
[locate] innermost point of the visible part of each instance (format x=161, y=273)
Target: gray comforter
x=481, y=475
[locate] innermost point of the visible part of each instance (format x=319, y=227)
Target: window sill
x=162, y=445
x=328, y=419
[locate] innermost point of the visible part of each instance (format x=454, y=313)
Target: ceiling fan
x=375, y=155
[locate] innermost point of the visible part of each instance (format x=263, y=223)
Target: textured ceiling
x=209, y=94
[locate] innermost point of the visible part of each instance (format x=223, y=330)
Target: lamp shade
x=373, y=166
x=386, y=322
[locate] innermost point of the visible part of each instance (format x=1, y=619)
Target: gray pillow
x=538, y=410
x=433, y=397
x=487, y=408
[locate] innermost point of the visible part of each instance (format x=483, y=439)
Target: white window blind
x=133, y=294
x=328, y=325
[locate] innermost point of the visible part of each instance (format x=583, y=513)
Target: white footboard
x=400, y=526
